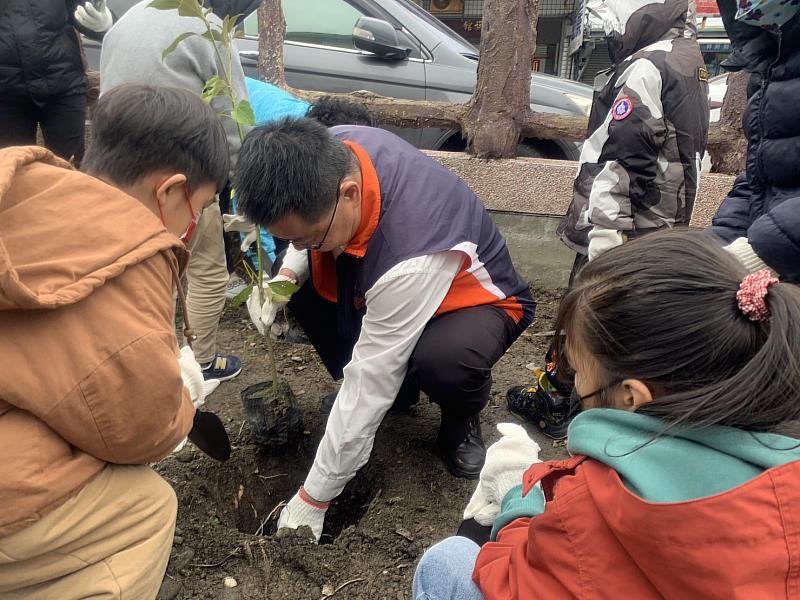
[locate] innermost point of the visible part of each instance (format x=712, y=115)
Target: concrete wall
x=537, y=253
x=526, y=197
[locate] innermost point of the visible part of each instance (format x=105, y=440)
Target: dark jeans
x=61, y=118
x=452, y=361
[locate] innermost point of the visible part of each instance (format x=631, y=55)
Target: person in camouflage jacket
x=639, y=166
x=647, y=131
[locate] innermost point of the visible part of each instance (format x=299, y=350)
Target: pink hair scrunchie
x=752, y=293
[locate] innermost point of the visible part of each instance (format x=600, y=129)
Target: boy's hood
x=64, y=233
x=640, y=23
x=682, y=465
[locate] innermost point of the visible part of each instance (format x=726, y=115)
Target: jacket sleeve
x=626, y=163
x=399, y=306
x=732, y=218
x=516, y=505
x=775, y=237
x=133, y=407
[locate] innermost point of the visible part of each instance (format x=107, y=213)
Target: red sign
x=707, y=8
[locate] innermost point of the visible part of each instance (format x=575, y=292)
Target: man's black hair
x=138, y=129
x=291, y=166
x=332, y=111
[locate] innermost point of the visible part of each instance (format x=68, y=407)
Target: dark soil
x=401, y=503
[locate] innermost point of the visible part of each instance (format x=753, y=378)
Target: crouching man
x=406, y=285
x=92, y=384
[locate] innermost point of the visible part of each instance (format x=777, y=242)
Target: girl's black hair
x=332, y=111
x=663, y=309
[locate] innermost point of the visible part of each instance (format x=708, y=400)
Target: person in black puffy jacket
x=42, y=78
x=760, y=218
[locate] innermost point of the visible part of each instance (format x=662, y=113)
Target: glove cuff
x=745, y=254
x=303, y=495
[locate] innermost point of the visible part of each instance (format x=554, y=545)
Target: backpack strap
x=548, y=473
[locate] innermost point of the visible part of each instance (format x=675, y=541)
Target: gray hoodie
x=132, y=52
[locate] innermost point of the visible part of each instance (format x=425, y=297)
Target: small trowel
x=208, y=434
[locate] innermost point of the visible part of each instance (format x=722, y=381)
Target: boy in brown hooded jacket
x=92, y=388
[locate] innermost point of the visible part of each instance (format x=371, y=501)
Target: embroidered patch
x=702, y=74
x=622, y=108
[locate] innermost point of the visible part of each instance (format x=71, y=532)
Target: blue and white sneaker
x=222, y=367
x=236, y=285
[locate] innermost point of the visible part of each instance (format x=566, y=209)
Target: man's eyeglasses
x=299, y=244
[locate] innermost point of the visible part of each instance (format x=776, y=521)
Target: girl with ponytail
x=683, y=481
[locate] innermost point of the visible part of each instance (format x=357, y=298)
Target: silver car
x=392, y=48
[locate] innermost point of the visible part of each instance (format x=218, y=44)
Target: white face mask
x=767, y=14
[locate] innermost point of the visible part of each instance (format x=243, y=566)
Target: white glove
x=192, y=375
x=302, y=510
x=480, y=508
x=601, y=240
x=97, y=18
x=263, y=315
x=506, y=461
x=209, y=385
x=242, y=225
x=744, y=253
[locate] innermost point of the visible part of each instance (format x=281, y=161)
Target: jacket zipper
x=764, y=83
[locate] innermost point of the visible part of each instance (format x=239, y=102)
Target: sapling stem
x=270, y=349
x=226, y=36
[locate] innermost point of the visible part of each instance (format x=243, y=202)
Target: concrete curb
x=528, y=196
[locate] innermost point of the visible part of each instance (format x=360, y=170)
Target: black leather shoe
x=327, y=403
x=461, y=445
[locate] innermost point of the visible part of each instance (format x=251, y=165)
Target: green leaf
x=242, y=296
x=239, y=34
x=171, y=48
x=243, y=114
x=190, y=8
x=228, y=23
x=215, y=86
x=164, y=4
x=212, y=35
x=283, y=288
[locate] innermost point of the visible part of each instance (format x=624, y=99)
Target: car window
x=328, y=23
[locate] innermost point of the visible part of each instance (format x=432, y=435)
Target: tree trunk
x=499, y=113
x=726, y=141
x=495, y=116
x=271, y=31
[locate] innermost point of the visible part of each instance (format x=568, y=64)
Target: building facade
x=570, y=40
x=554, y=29
x=589, y=51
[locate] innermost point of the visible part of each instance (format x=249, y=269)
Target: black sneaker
x=461, y=445
x=550, y=410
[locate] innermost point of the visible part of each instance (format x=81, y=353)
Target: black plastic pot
x=274, y=419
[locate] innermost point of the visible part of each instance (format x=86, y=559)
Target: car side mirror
x=380, y=38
